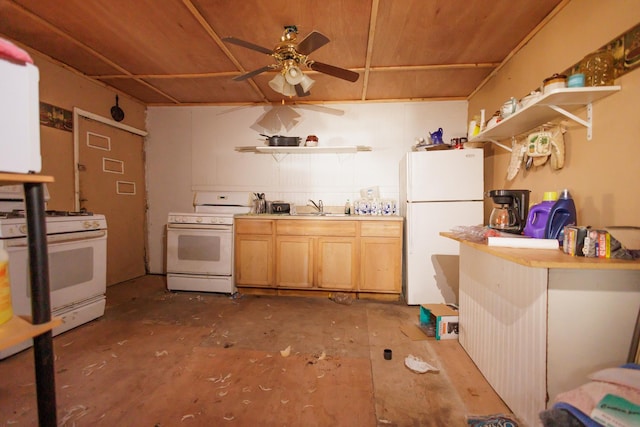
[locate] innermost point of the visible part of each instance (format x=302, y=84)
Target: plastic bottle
x=347, y=207
x=6, y=311
x=538, y=215
x=562, y=213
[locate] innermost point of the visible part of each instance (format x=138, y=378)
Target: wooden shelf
x=18, y=329
x=19, y=178
x=558, y=103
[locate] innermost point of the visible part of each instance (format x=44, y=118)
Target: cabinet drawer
x=254, y=226
x=316, y=228
x=381, y=228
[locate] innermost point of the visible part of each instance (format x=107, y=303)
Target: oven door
x=77, y=269
x=200, y=249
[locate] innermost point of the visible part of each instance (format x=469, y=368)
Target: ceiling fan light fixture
x=277, y=83
x=306, y=82
x=289, y=90
x=294, y=75
x=280, y=85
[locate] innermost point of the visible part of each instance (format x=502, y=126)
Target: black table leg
x=40, y=303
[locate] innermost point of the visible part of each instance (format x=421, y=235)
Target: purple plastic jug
x=538, y=215
x=562, y=213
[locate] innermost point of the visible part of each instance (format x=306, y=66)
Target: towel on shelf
x=11, y=52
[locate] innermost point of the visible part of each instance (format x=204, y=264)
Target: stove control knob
x=96, y=224
x=22, y=229
x=198, y=220
x=87, y=224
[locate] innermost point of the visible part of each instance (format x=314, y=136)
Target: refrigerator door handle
x=408, y=222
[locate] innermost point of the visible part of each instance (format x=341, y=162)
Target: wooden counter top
x=548, y=258
x=324, y=217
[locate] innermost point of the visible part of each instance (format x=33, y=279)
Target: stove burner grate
x=20, y=213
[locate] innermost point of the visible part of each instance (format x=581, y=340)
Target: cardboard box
x=444, y=317
x=574, y=240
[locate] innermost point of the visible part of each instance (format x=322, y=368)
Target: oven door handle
x=199, y=227
x=61, y=238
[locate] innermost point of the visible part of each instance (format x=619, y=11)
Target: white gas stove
x=200, y=243
x=77, y=262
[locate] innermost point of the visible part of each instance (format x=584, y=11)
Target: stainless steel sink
x=319, y=214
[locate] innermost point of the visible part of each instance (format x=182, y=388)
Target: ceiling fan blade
x=253, y=73
x=300, y=91
x=313, y=41
x=248, y=45
x=341, y=73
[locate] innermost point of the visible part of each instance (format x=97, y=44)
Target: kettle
x=436, y=137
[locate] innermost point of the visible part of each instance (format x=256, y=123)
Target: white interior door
x=111, y=182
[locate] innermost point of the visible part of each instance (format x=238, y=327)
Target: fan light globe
x=289, y=90
x=277, y=83
x=280, y=85
x=306, y=83
x=294, y=75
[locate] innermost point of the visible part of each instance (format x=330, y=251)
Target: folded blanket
x=11, y=52
x=579, y=402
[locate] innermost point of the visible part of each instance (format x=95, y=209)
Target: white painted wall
x=193, y=148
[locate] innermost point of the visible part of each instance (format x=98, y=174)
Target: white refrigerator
x=439, y=190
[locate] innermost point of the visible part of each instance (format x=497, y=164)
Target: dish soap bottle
x=562, y=213
x=347, y=207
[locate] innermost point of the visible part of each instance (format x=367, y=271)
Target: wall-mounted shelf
x=279, y=153
x=560, y=102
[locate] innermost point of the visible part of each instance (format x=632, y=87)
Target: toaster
x=280, y=208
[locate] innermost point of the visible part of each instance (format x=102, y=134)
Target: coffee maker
x=511, y=215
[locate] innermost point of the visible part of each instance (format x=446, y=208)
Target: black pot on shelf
x=282, y=141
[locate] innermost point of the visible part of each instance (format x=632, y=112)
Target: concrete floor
x=158, y=358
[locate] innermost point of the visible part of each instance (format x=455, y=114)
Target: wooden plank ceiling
x=169, y=52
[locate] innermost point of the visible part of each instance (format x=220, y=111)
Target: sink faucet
x=319, y=206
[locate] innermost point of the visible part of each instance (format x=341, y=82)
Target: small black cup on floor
x=387, y=354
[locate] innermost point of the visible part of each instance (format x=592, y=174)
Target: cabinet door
x=294, y=261
x=336, y=258
x=254, y=260
x=380, y=264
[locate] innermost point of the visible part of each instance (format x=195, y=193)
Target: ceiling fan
x=290, y=55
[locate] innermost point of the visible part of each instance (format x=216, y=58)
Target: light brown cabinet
x=380, y=256
x=350, y=255
x=316, y=254
x=294, y=261
x=253, y=252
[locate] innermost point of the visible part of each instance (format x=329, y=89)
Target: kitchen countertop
x=548, y=258
x=324, y=217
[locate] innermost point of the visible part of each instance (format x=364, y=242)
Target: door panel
x=111, y=182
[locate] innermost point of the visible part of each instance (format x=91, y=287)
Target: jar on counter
x=598, y=68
